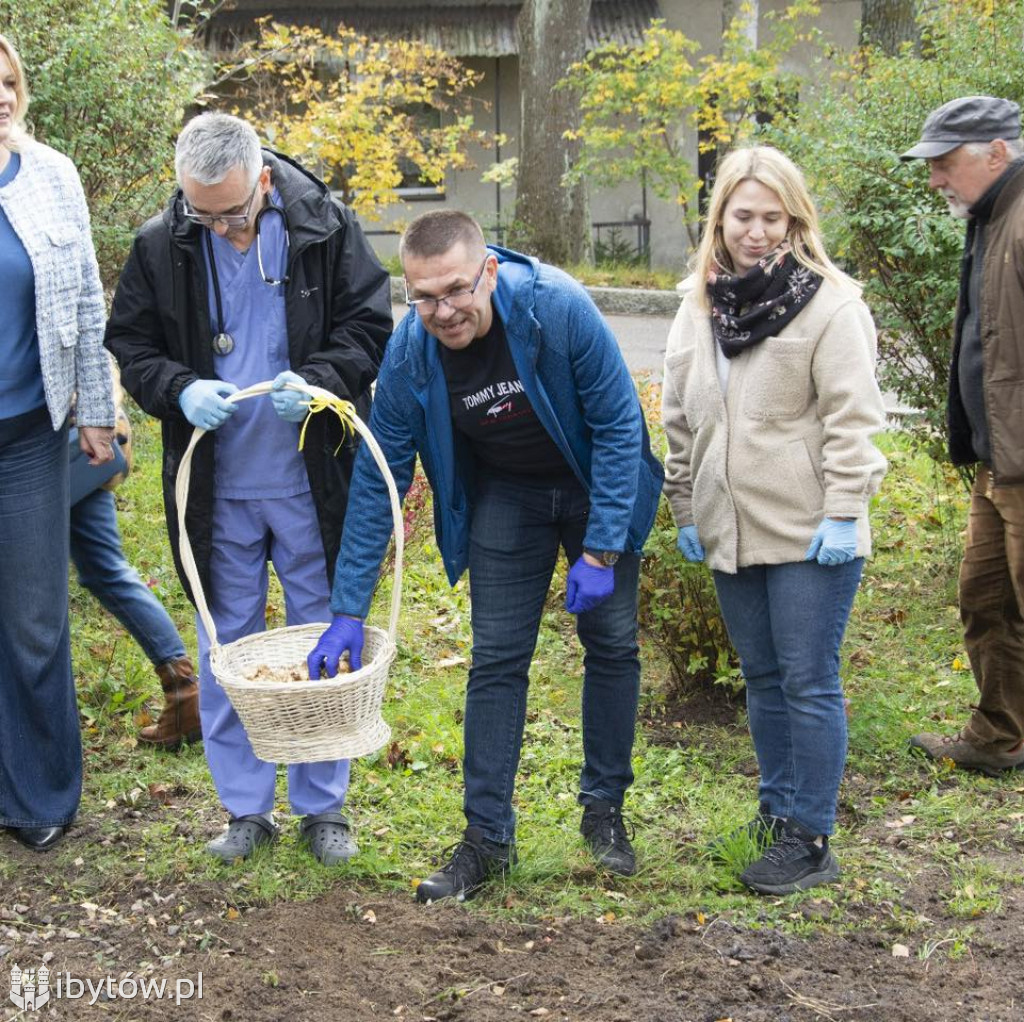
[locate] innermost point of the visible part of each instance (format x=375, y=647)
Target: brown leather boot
x=179, y=719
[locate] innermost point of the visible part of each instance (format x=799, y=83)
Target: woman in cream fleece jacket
x=770, y=403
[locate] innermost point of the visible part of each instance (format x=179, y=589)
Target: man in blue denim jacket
x=510, y=387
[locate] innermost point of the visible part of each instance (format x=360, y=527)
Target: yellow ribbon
x=342, y=408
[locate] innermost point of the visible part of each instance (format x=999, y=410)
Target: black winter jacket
x=338, y=311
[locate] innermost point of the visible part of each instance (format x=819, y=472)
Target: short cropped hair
x=1014, y=148
x=18, y=130
x=437, y=232
x=211, y=145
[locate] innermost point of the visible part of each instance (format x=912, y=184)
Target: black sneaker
x=763, y=830
x=604, y=830
x=793, y=863
x=474, y=861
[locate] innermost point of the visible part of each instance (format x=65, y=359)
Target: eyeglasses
x=229, y=220
x=454, y=299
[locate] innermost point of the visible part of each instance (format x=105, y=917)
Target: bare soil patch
x=354, y=954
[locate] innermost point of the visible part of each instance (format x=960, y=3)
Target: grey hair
x=1014, y=148
x=210, y=146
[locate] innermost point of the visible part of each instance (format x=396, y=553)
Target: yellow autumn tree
x=640, y=103
x=367, y=114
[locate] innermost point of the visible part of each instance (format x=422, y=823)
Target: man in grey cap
x=974, y=154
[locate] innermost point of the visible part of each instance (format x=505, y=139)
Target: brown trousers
x=992, y=611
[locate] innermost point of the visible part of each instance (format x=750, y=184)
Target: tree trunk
x=552, y=220
x=749, y=11
x=888, y=24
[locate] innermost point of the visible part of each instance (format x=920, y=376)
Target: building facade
x=483, y=36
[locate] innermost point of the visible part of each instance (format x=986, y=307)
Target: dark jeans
x=992, y=610
x=105, y=572
x=515, y=536
x=40, y=747
x=787, y=622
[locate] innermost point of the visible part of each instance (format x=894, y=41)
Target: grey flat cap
x=969, y=119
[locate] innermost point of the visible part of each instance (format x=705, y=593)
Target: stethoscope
x=223, y=343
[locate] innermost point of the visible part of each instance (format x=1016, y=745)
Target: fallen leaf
x=451, y=661
x=369, y=916
x=900, y=951
x=160, y=792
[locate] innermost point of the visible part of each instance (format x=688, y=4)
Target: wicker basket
x=301, y=721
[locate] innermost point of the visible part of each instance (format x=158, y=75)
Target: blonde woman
x=51, y=335
x=770, y=403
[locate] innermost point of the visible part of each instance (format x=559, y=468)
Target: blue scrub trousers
x=246, y=534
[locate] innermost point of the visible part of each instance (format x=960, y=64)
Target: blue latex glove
x=689, y=545
x=587, y=586
x=343, y=633
x=290, y=405
x=833, y=542
x=204, y=405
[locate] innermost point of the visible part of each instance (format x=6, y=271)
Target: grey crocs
x=244, y=835
x=329, y=837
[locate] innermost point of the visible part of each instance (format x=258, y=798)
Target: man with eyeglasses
x=510, y=387
x=253, y=272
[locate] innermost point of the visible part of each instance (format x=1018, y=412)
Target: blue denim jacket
x=574, y=375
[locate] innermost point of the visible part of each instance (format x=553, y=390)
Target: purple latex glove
x=833, y=542
x=290, y=405
x=343, y=633
x=587, y=586
x=689, y=545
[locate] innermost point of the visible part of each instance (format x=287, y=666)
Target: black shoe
x=794, y=863
x=604, y=830
x=763, y=831
x=39, y=839
x=474, y=861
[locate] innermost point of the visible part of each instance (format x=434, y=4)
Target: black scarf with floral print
x=745, y=310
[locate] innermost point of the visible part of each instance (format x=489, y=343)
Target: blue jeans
x=40, y=747
x=787, y=622
x=104, y=571
x=515, y=535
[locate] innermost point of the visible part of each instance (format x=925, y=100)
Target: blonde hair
x=777, y=172
x=18, y=129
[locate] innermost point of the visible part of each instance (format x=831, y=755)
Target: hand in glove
x=689, y=545
x=203, y=403
x=587, y=586
x=343, y=633
x=290, y=405
x=833, y=542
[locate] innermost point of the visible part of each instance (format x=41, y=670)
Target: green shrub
x=110, y=83
x=678, y=608
x=881, y=220
x=679, y=611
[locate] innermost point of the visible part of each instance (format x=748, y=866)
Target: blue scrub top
x=257, y=454
x=21, y=376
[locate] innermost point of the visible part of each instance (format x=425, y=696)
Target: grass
x=904, y=821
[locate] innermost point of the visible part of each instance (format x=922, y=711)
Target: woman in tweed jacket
x=770, y=403
x=51, y=335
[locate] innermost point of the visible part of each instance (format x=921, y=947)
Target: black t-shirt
x=491, y=409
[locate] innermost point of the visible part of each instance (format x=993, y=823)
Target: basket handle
x=181, y=487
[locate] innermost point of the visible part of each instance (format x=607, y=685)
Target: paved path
x=642, y=340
